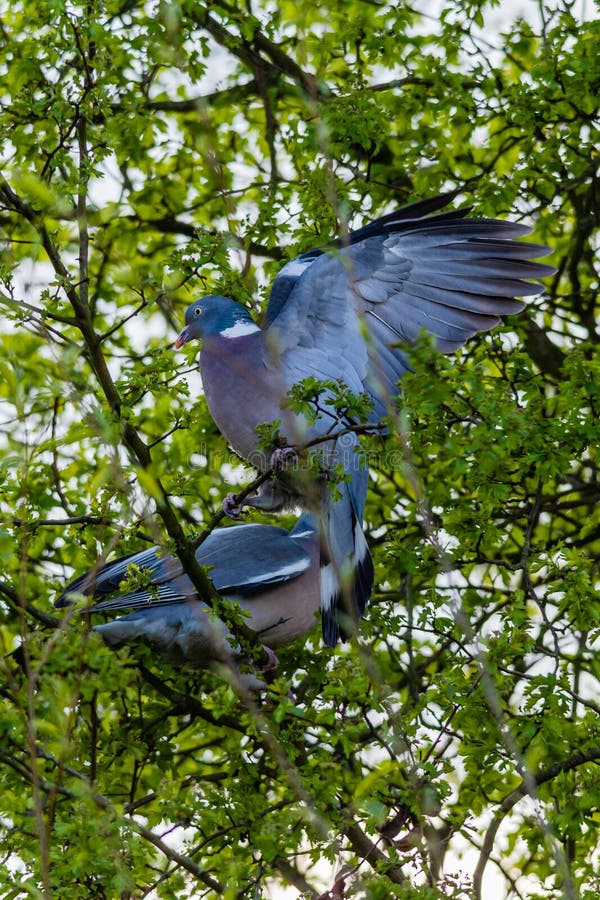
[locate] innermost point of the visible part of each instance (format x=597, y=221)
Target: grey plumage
x=271, y=573
x=341, y=312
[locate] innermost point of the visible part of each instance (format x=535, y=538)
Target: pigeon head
x=215, y=315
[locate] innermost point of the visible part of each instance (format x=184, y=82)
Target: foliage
x=150, y=153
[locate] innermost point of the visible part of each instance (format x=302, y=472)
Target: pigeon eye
x=197, y=311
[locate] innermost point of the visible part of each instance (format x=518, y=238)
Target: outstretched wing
x=351, y=306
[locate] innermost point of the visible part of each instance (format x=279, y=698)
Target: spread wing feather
x=405, y=272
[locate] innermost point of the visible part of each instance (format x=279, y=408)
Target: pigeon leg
x=271, y=663
x=231, y=508
x=281, y=456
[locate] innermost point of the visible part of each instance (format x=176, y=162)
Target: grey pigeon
x=273, y=575
x=342, y=313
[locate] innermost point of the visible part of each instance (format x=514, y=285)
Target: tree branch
x=578, y=759
x=370, y=852
x=138, y=449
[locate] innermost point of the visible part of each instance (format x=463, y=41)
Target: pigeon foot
x=232, y=509
x=281, y=456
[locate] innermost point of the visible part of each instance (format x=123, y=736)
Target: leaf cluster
x=155, y=152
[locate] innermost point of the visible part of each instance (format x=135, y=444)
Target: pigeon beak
x=183, y=338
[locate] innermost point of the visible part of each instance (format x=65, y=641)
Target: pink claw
x=272, y=661
x=281, y=456
x=232, y=509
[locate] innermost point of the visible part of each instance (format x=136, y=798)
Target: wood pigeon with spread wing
x=273, y=575
x=341, y=313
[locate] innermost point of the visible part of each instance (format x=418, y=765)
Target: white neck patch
x=240, y=329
